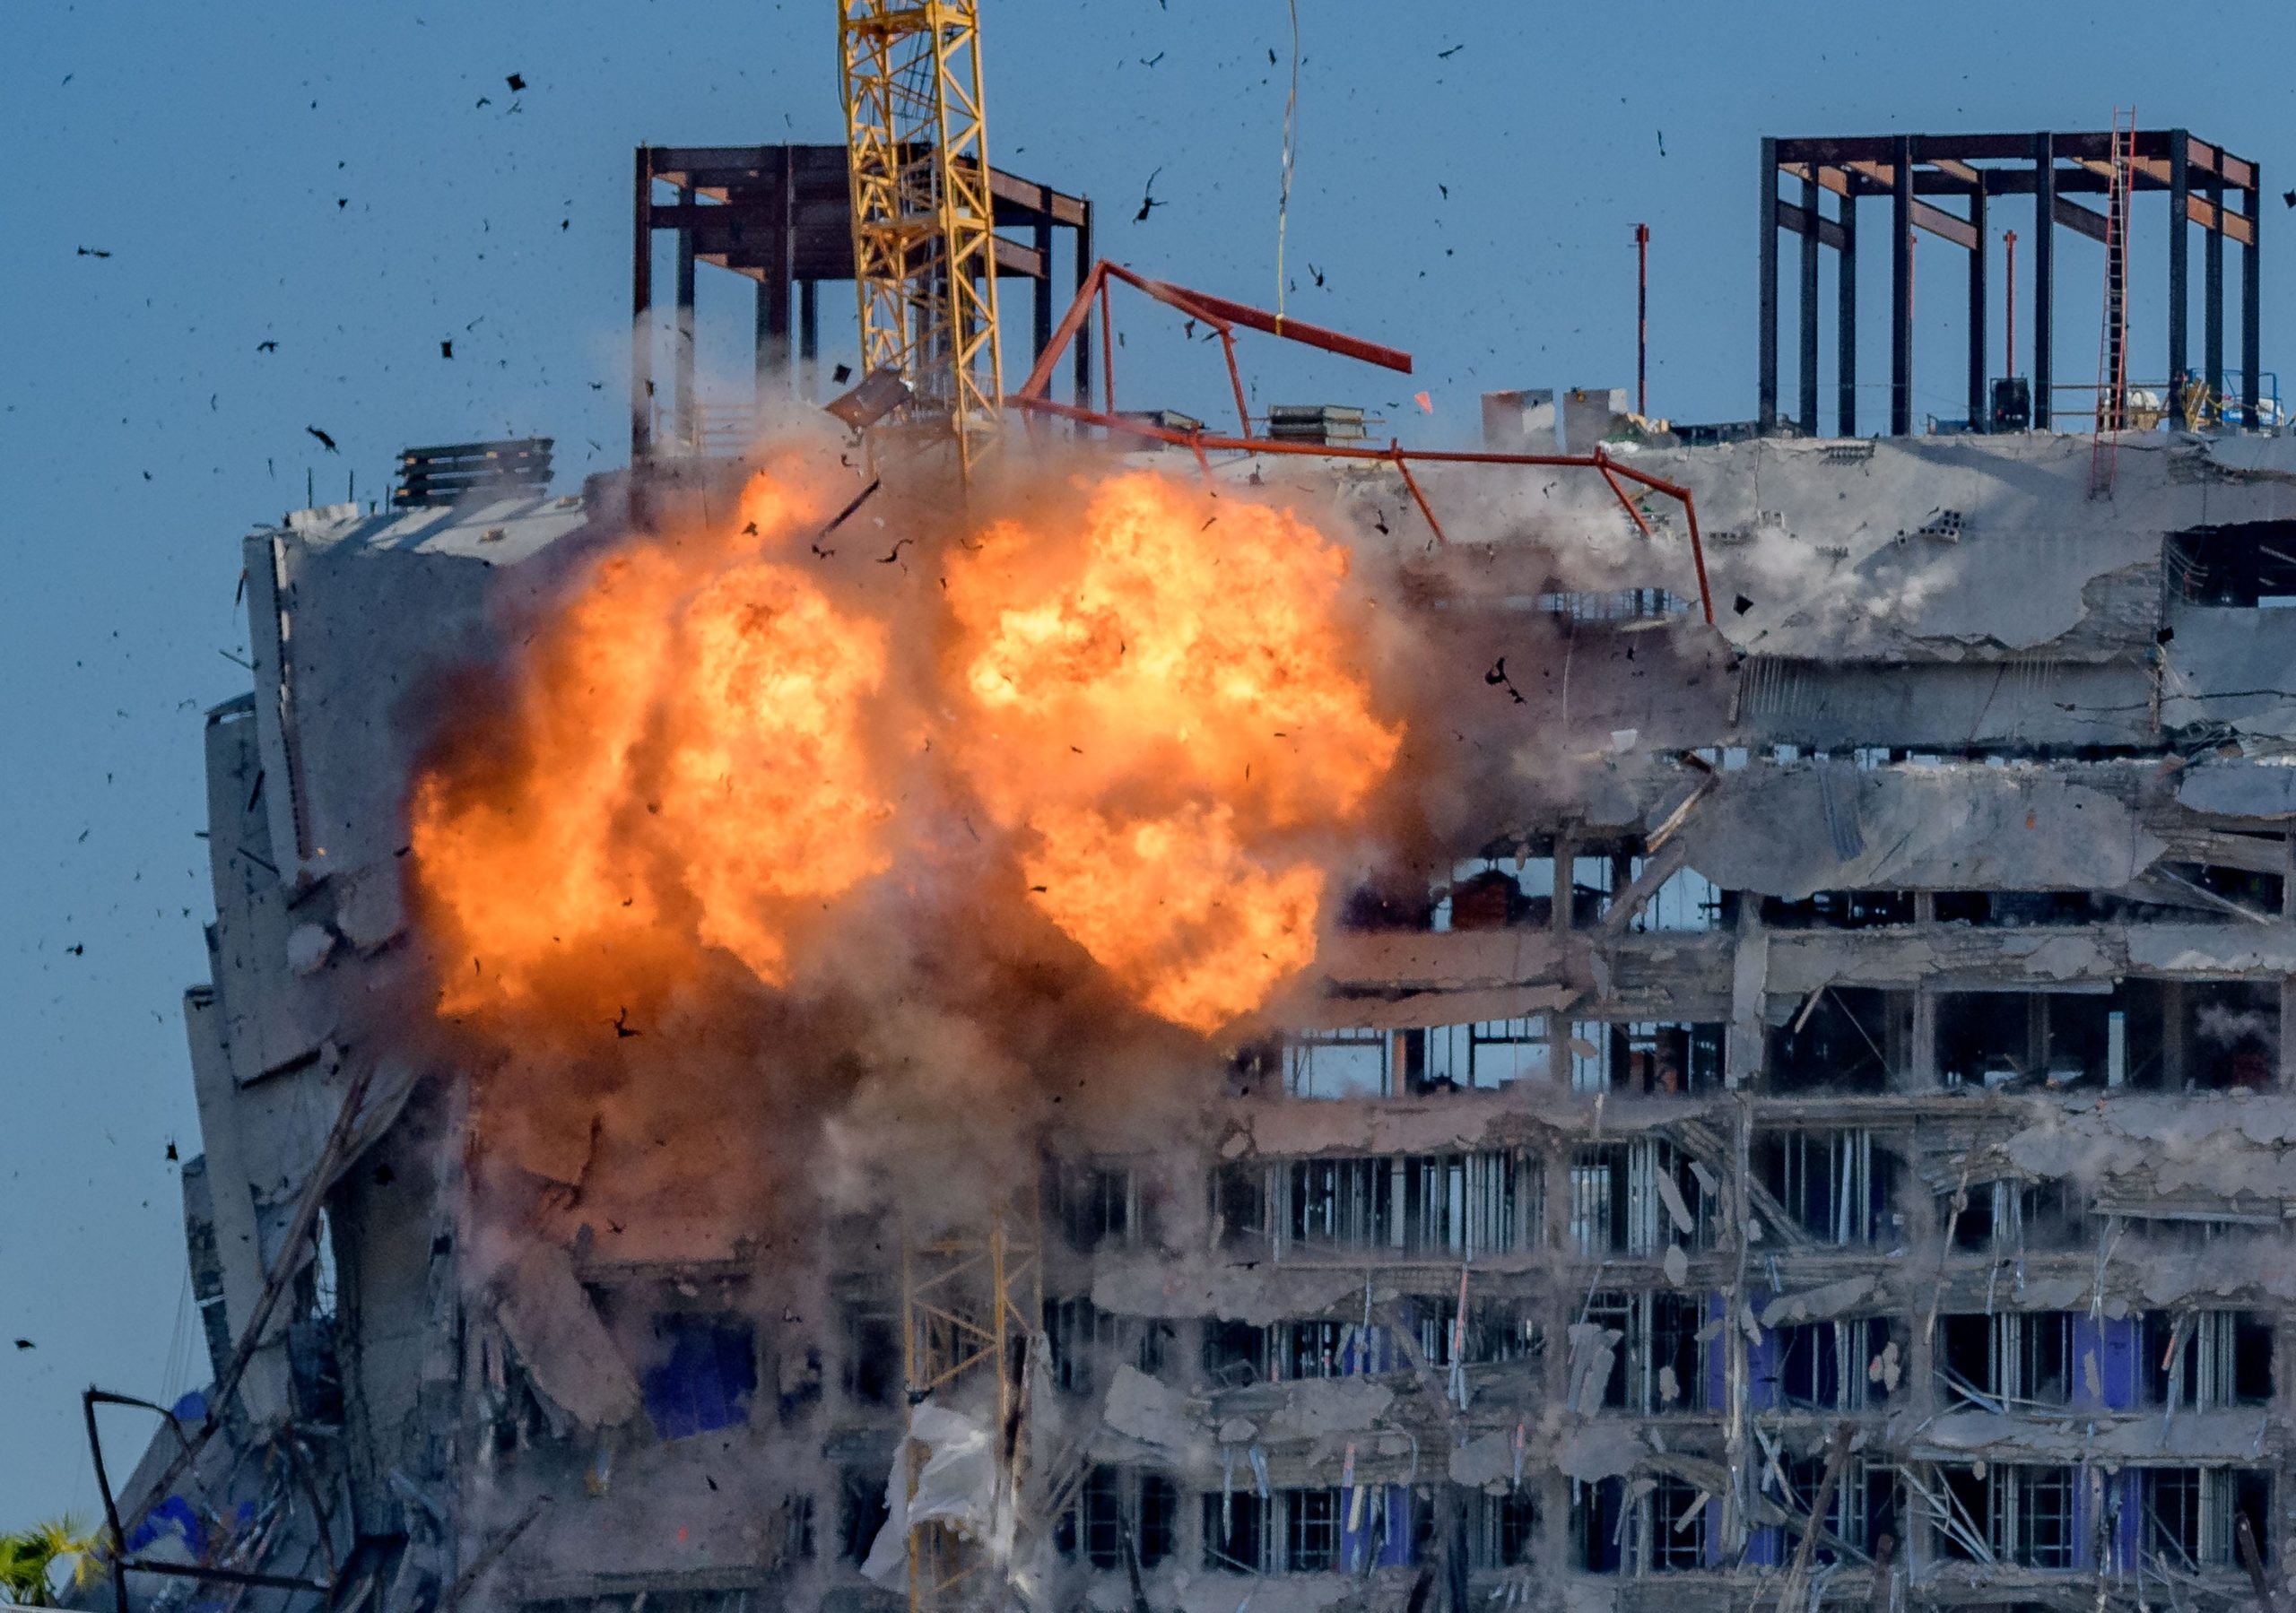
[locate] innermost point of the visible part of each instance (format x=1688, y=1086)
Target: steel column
x=2212, y=314
x=1980, y=414
x=2044, y=271
x=1085, y=261
x=641, y=309
x=1809, y=344
x=1040, y=305
x=1765, y=320
x=808, y=338
x=1901, y=287
x=2179, y=298
x=771, y=354
x=1844, y=269
x=2251, y=295
x=682, y=374
x=1642, y=319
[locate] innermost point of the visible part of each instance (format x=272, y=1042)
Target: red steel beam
x=1219, y=312
x=1204, y=442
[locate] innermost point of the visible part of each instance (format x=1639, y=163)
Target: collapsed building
x=1805, y=1121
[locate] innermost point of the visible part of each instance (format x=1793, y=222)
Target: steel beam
x=1793, y=217
x=1939, y=222
x=2087, y=221
x=1901, y=289
x=1921, y=214
x=2210, y=214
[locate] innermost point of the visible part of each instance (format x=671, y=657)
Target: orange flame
x=687, y=749
x=1155, y=696
x=1167, y=712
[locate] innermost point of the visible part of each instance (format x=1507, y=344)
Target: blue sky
x=323, y=176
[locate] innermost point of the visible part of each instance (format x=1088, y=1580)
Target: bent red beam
x=1203, y=442
x=1396, y=453
x=1219, y=312
x=1276, y=325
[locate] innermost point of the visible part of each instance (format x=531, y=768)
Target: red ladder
x=2112, y=343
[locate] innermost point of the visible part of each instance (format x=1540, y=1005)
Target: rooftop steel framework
x=783, y=216
x=2206, y=186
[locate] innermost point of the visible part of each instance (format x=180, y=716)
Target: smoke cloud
x=785, y=865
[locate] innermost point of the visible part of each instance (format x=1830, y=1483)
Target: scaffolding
x=972, y=1305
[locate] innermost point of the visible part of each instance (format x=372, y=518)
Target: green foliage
x=28, y=1558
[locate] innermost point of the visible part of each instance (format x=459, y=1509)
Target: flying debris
x=266, y=347
x=326, y=441
x=1108, y=803
x=515, y=80
x=846, y=514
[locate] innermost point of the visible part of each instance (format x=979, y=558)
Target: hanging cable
x=1283, y=196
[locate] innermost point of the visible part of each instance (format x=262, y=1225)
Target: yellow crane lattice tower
x=971, y=1302
x=924, y=243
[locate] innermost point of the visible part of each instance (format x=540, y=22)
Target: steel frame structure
x=782, y=216
x=1224, y=315
x=2199, y=178
x=924, y=223
x=970, y=1304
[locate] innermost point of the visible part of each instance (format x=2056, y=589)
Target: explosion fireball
x=1153, y=692
x=685, y=751
x=1167, y=711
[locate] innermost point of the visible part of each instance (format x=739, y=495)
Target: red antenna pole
x=1642, y=319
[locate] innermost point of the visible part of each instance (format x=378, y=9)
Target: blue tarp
x=706, y=1378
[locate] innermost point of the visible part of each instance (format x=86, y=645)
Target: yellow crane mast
x=924, y=247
